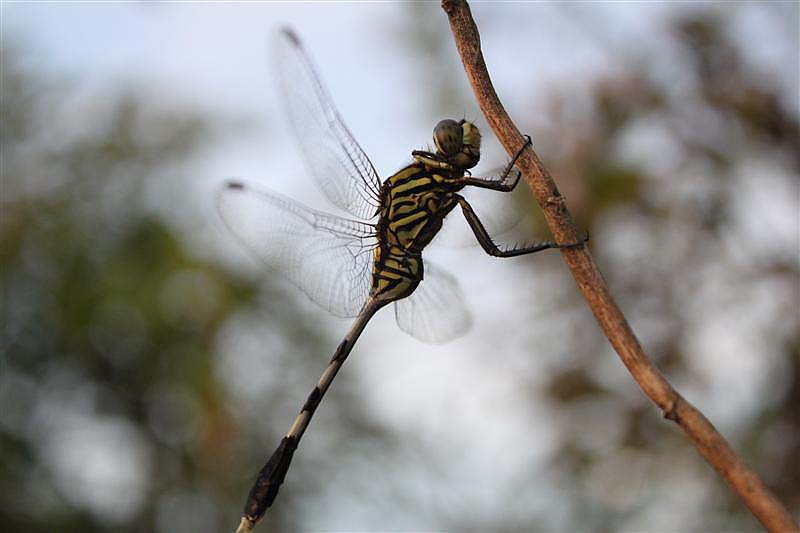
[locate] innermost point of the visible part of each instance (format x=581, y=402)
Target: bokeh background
x=149, y=364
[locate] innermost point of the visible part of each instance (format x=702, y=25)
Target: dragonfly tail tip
x=244, y=525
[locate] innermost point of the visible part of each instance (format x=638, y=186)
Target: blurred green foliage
x=85, y=267
x=111, y=322
x=687, y=200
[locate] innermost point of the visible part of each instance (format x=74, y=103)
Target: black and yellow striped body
x=413, y=204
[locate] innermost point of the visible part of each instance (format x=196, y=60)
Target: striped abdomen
x=414, y=202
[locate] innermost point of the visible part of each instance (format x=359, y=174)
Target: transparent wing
x=328, y=257
x=435, y=311
x=339, y=165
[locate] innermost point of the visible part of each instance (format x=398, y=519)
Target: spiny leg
x=500, y=183
x=491, y=248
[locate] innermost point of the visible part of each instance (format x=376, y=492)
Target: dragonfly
x=353, y=266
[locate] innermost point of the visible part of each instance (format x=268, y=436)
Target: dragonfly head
x=458, y=146
x=458, y=143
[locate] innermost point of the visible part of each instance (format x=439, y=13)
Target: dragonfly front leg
x=502, y=184
x=489, y=245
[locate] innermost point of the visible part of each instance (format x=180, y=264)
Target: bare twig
x=762, y=503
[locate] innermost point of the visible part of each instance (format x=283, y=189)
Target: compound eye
x=448, y=135
x=472, y=137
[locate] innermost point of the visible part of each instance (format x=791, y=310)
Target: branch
x=712, y=446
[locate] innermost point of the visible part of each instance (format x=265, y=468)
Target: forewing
x=435, y=311
x=326, y=256
x=334, y=158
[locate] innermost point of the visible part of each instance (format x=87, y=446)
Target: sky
x=217, y=56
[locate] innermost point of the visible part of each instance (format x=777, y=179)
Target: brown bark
x=713, y=447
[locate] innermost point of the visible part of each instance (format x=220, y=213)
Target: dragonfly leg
x=491, y=248
x=502, y=184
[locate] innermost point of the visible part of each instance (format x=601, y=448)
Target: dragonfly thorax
x=458, y=146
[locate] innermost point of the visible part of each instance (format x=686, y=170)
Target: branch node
x=671, y=410
x=557, y=201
